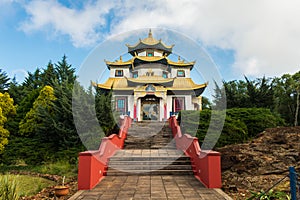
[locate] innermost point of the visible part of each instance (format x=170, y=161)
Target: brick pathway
x=150, y=187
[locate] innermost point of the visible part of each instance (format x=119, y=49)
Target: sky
x=254, y=38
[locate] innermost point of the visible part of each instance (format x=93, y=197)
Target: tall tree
x=105, y=113
x=285, y=97
x=4, y=81
x=296, y=86
x=32, y=121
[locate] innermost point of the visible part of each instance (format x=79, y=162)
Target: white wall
x=131, y=104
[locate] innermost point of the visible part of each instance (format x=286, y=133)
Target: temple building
x=150, y=86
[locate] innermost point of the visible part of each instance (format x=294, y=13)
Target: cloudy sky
x=243, y=37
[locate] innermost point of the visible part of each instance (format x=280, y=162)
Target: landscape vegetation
x=38, y=137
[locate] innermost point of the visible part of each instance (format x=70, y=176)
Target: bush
x=256, y=119
x=240, y=125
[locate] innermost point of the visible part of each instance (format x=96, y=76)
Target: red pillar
x=134, y=113
x=165, y=111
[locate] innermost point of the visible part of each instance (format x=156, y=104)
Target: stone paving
x=162, y=183
x=150, y=187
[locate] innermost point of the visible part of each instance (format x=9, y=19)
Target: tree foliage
x=4, y=81
x=32, y=121
x=6, y=109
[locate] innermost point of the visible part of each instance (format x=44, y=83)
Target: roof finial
x=150, y=34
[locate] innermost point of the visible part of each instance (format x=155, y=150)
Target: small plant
x=8, y=188
x=271, y=195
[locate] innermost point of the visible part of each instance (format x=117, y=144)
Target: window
x=165, y=75
x=135, y=74
x=180, y=73
x=119, y=73
x=178, y=104
x=150, y=54
x=121, y=104
x=149, y=73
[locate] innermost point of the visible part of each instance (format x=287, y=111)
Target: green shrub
x=240, y=125
x=256, y=119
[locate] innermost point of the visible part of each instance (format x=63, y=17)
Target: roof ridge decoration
x=149, y=43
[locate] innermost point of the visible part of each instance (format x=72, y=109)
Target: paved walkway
x=150, y=187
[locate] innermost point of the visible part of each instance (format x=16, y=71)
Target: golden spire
x=150, y=34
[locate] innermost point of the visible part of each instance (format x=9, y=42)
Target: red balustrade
x=206, y=164
x=92, y=165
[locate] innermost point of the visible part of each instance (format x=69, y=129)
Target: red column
x=165, y=111
x=134, y=112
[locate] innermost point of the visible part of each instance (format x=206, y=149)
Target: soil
x=260, y=163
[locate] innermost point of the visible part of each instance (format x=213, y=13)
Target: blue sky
x=243, y=38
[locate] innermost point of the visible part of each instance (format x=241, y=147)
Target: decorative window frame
x=122, y=110
x=179, y=71
x=150, y=53
x=117, y=74
x=165, y=74
x=135, y=74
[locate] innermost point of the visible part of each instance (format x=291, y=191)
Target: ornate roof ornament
x=149, y=43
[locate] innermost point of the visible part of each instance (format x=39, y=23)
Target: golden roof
x=114, y=83
x=150, y=58
x=120, y=62
x=180, y=63
x=149, y=42
x=150, y=79
x=178, y=84
x=186, y=84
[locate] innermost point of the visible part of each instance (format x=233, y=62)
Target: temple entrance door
x=150, y=108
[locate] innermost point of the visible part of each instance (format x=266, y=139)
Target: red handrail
x=92, y=165
x=206, y=164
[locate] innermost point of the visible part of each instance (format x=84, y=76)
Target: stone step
x=148, y=162
x=147, y=172
x=152, y=158
x=149, y=167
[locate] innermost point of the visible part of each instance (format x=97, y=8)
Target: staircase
x=149, y=150
x=149, y=135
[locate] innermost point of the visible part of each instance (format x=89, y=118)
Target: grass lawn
x=27, y=185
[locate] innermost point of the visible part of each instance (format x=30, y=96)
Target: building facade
x=150, y=86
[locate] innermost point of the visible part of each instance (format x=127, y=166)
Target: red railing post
x=90, y=170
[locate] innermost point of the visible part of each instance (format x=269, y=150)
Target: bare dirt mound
x=259, y=164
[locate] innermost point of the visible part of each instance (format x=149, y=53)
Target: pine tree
x=4, y=81
x=32, y=121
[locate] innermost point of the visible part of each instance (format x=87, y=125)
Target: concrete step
x=147, y=172
x=148, y=162
x=152, y=158
x=149, y=167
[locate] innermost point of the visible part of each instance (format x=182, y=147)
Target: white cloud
x=80, y=25
x=264, y=34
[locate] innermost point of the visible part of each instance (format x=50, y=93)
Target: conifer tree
x=4, y=81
